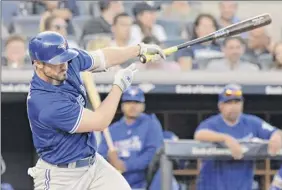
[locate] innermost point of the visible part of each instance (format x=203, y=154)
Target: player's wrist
x=117, y=87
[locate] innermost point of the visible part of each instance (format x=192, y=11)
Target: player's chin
x=62, y=77
x=233, y=116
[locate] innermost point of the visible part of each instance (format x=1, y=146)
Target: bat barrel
x=243, y=26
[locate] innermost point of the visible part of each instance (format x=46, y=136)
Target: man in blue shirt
x=62, y=127
x=136, y=136
x=230, y=126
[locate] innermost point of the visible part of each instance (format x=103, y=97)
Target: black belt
x=89, y=161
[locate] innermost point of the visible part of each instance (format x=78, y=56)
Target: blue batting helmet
x=134, y=94
x=50, y=47
x=231, y=92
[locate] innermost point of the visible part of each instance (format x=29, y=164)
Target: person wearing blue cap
x=137, y=137
x=230, y=126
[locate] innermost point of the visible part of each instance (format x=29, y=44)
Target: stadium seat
x=78, y=24
x=84, y=7
x=94, y=9
x=173, y=28
x=26, y=25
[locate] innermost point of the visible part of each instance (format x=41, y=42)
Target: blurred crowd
x=93, y=25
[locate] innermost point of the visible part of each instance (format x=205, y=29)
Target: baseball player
x=230, y=126
x=277, y=181
x=62, y=127
x=136, y=136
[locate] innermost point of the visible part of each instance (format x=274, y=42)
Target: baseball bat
x=234, y=29
x=95, y=101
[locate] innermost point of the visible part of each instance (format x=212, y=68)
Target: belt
x=89, y=161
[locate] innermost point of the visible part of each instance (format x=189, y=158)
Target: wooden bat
x=234, y=29
x=95, y=101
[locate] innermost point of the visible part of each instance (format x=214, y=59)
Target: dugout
x=179, y=113
x=180, y=101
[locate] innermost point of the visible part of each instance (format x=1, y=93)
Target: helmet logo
x=133, y=92
x=63, y=45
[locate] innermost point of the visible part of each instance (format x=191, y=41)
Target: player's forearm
x=106, y=111
x=209, y=136
x=277, y=135
x=141, y=162
x=118, y=55
x=101, y=118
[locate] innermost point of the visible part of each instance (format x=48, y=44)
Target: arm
x=206, y=132
x=275, y=143
x=103, y=115
x=153, y=142
x=71, y=117
x=209, y=136
x=112, y=56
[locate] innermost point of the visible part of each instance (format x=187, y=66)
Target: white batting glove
x=124, y=77
x=153, y=50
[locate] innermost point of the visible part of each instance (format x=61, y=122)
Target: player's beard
x=56, y=79
x=232, y=117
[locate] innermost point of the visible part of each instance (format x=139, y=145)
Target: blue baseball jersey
x=54, y=113
x=232, y=174
x=136, y=145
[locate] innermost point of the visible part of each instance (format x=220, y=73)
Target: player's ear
x=219, y=106
x=143, y=107
x=38, y=64
x=122, y=107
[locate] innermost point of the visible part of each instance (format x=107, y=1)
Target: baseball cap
x=141, y=7
x=231, y=92
x=133, y=94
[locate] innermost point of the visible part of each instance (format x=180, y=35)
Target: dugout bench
x=195, y=150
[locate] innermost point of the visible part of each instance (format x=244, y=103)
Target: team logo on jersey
x=125, y=146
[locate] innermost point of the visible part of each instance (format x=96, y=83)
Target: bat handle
x=145, y=58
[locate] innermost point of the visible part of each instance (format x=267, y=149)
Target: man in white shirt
x=121, y=30
x=233, y=49
x=146, y=24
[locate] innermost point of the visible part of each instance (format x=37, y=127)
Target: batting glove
x=124, y=77
x=152, y=49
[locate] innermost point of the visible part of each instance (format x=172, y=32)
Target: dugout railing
x=194, y=150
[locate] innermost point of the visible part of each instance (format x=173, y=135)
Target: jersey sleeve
x=63, y=115
x=263, y=129
x=85, y=60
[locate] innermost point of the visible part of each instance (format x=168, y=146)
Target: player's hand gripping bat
x=234, y=29
x=95, y=101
